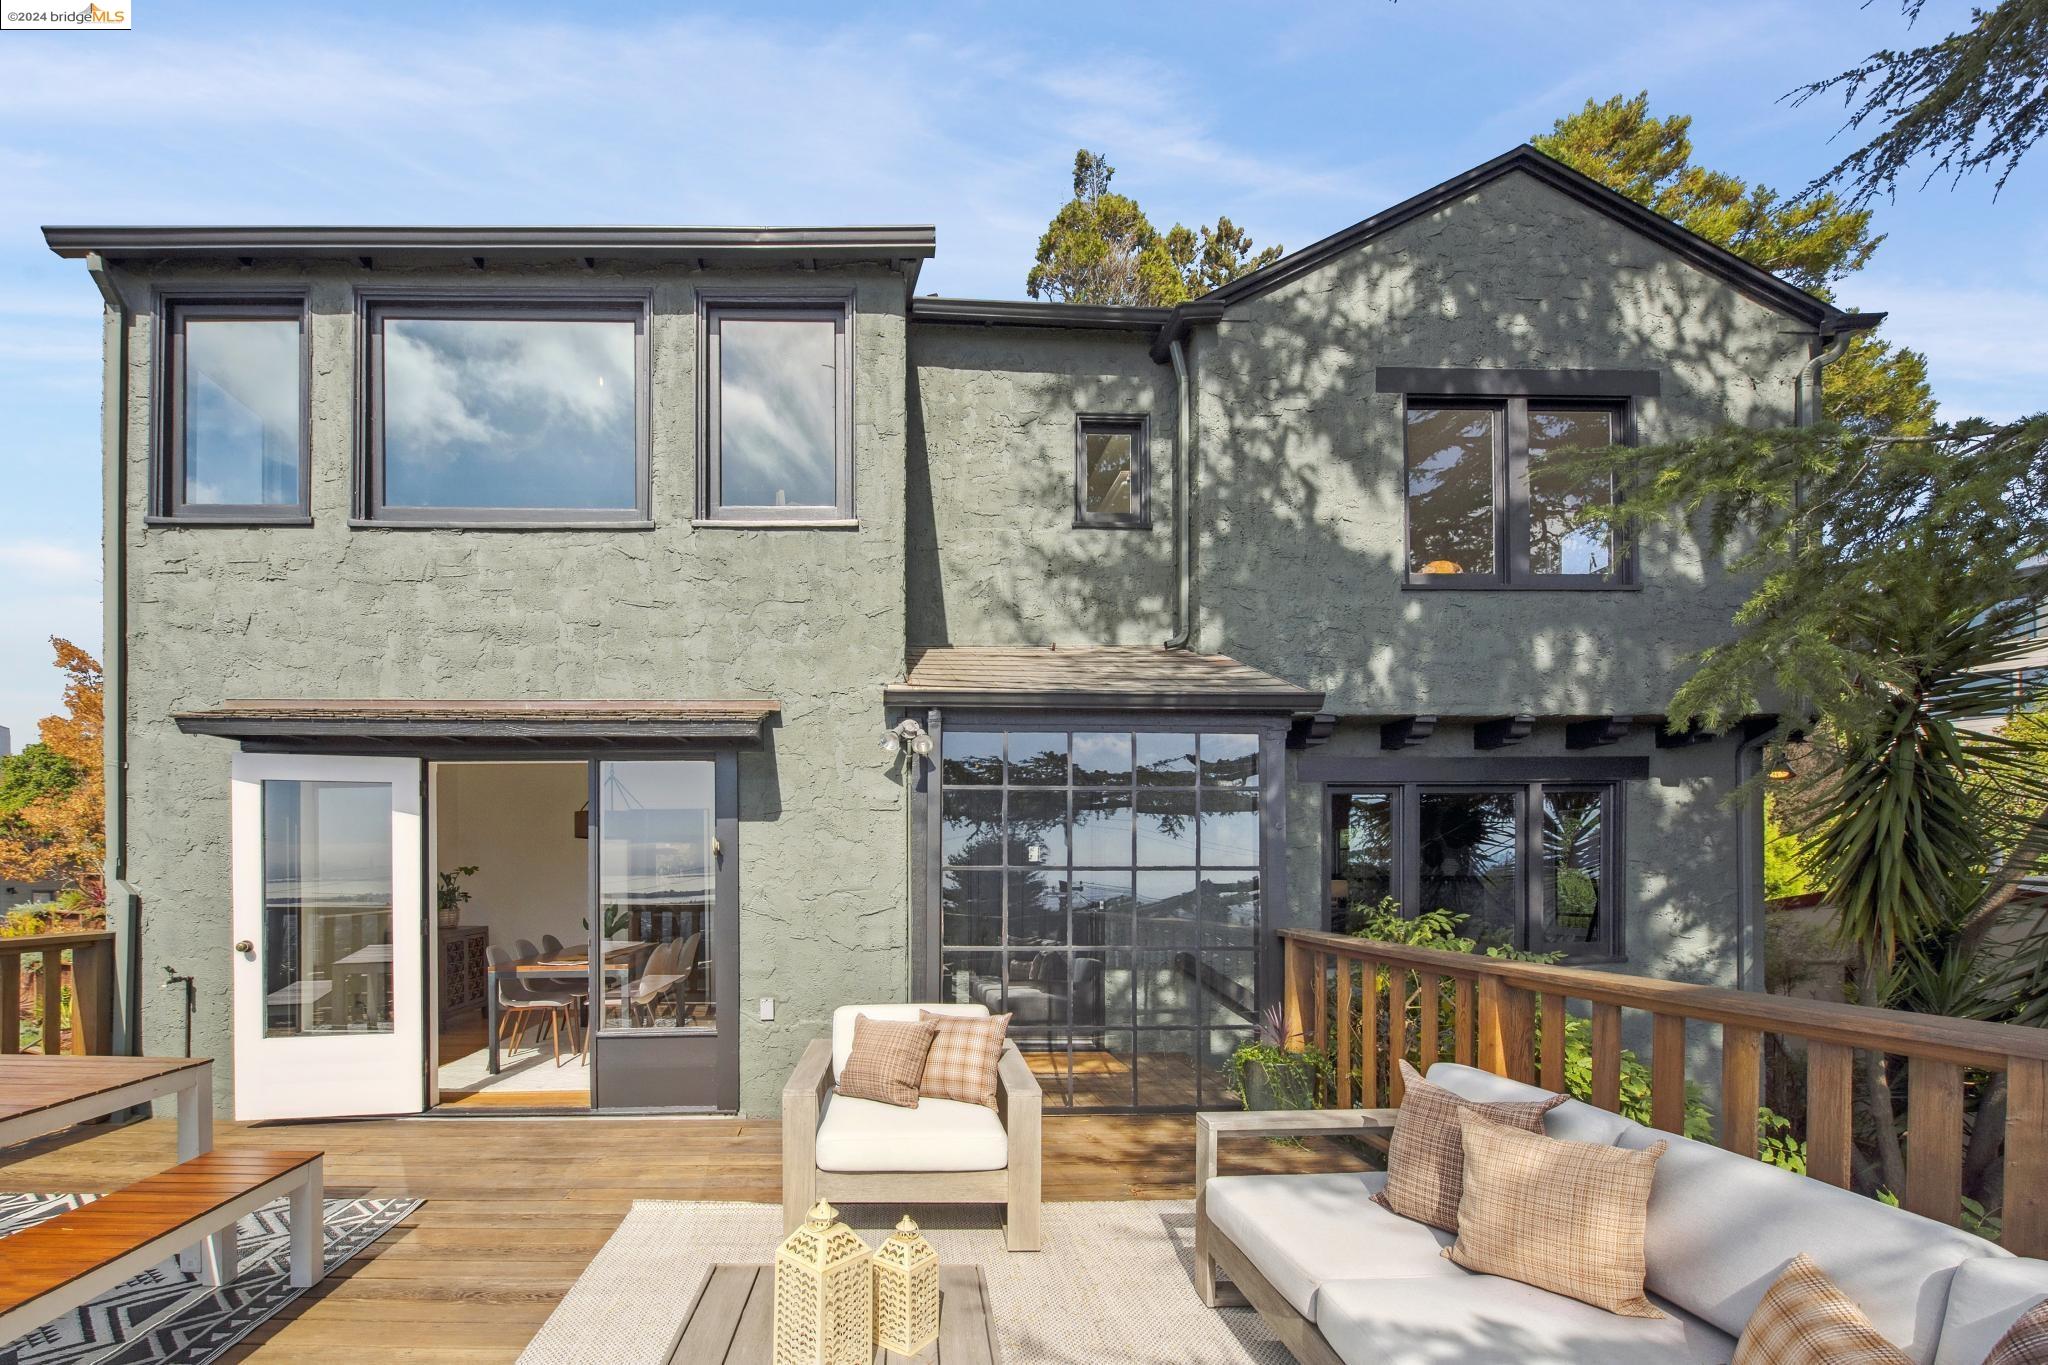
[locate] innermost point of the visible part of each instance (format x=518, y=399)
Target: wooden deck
x=516, y=1208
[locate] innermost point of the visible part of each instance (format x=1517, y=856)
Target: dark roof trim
x=579, y=724
x=1264, y=701
x=807, y=243
x=1758, y=283
x=1032, y=313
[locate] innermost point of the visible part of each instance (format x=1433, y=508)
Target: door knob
x=245, y=947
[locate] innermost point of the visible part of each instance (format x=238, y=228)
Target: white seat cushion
x=1302, y=1231
x=937, y=1135
x=843, y=1017
x=1722, y=1228
x=1473, y=1318
x=1572, y=1121
x=1986, y=1297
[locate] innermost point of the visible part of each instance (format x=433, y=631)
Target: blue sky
x=1294, y=121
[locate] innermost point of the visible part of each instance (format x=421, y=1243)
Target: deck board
x=516, y=1208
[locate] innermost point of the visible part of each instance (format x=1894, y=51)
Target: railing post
x=53, y=1001
x=1369, y=1033
x=2026, y=1157
x=1830, y=1111
x=10, y=1002
x=1607, y=1057
x=1667, y=1073
x=1934, y=1140
x=1343, y=1033
x=92, y=999
x=1507, y=1030
x=1742, y=1080
x=1294, y=996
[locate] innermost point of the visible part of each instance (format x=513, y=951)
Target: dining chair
x=550, y=946
x=518, y=1000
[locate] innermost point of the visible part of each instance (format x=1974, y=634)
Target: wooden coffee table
x=733, y=1321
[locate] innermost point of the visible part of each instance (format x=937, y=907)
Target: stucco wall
x=811, y=618
x=994, y=555
x=1299, y=500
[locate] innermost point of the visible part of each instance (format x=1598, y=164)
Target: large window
x=777, y=405
x=233, y=440
x=1530, y=865
x=1112, y=472
x=506, y=413
x=1493, y=498
x=1102, y=887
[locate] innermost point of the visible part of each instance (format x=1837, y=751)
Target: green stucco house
x=554, y=667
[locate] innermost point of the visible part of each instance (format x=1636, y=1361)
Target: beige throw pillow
x=2025, y=1342
x=887, y=1060
x=962, y=1064
x=1426, y=1155
x=1564, y=1216
x=1805, y=1320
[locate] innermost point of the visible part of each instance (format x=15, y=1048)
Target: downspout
x=1806, y=398
x=1183, y=503
x=123, y=906
x=1806, y=410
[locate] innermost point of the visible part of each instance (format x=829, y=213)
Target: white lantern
x=906, y=1291
x=824, y=1294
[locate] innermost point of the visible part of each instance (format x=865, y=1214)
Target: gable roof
x=1718, y=261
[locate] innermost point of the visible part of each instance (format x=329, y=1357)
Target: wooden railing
x=39, y=960
x=1498, y=1013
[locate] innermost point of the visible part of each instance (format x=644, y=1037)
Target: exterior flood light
x=908, y=734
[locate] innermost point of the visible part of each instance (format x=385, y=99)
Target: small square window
x=777, y=402
x=233, y=437
x=1112, y=472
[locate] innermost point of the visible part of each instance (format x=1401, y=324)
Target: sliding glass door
x=664, y=949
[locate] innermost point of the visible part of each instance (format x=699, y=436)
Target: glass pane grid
x=1126, y=975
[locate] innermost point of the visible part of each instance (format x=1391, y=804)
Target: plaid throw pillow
x=2025, y=1342
x=1564, y=1216
x=1805, y=1320
x=962, y=1064
x=886, y=1061
x=1426, y=1156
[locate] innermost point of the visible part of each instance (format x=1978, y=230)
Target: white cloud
x=29, y=563
x=46, y=589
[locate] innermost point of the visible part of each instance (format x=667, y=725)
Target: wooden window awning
x=1094, y=677
x=382, y=726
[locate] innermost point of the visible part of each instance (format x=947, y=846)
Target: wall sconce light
x=1780, y=768
x=909, y=735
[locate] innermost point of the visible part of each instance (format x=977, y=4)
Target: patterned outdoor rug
x=1114, y=1283
x=165, y=1315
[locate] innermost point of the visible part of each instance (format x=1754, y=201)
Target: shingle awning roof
x=1093, y=676
x=396, y=724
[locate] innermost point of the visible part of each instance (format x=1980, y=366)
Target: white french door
x=330, y=1008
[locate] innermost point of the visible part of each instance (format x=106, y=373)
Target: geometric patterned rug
x=166, y=1315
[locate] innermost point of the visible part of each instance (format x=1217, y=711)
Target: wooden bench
x=57, y=1265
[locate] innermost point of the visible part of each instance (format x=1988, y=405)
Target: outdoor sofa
x=854, y=1151
x=1341, y=1279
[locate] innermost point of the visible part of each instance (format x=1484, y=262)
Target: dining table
x=621, y=955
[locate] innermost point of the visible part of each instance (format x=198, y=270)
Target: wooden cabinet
x=465, y=973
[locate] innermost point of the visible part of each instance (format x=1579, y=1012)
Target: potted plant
x=449, y=898
x=1266, y=1075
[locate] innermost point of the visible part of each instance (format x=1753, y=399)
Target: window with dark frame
x=1492, y=499
x=233, y=444
x=777, y=404
x=1534, y=865
x=1102, y=886
x=1112, y=472
x=492, y=411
